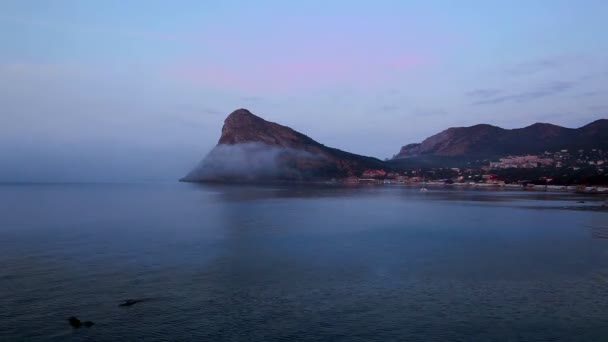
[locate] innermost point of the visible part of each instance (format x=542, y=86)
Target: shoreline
x=588, y=190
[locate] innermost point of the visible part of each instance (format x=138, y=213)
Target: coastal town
x=564, y=170
x=574, y=160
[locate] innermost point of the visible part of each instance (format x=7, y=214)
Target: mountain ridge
x=485, y=140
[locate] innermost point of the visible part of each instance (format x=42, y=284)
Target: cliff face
x=253, y=149
x=487, y=140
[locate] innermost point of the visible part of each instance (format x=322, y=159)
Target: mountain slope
x=488, y=141
x=253, y=149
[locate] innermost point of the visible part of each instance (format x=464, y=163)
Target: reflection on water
x=300, y=263
x=599, y=232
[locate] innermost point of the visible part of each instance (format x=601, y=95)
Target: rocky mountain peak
x=253, y=149
x=241, y=126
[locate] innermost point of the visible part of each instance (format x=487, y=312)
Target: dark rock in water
x=580, y=202
x=130, y=302
x=74, y=322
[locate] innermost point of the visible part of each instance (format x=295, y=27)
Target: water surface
x=285, y=263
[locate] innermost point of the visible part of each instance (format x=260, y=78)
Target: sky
x=138, y=90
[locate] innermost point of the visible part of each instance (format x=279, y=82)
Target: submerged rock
x=76, y=323
x=129, y=302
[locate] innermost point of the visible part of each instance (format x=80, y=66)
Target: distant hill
x=253, y=149
x=487, y=141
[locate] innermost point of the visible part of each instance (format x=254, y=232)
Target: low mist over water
x=248, y=161
x=233, y=263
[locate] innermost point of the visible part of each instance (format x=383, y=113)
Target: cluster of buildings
x=465, y=177
x=561, y=159
x=521, y=162
x=374, y=174
x=547, y=169
x=380, y=176
x=431, y=177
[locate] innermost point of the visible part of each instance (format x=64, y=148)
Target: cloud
x=586, y=94
x=429, y=112
x=38, y=70
x=597, y=108
x=541, y=91
x=213, y=111
x=553, y=116
x=484, y=93
x=99, y=30
x=536, y=66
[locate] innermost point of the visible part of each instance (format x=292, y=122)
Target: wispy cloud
x=497, y=97
x=213, y=111
x=39, y=69
x=552, y=116
x=586, y=94
x=598, y=108
x=389, y=108
x=63, y=27
x=484, y=93
x=430, y=112
x=539, y=65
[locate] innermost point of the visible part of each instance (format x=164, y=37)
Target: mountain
x=486, y=141
x=253, y=149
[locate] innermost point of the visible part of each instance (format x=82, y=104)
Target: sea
x=300, y=263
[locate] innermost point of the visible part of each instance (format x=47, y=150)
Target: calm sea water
x=247, y=263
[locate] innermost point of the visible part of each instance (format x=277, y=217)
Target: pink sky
x=297, y=74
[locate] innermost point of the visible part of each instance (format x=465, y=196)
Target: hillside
x=485, y=141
